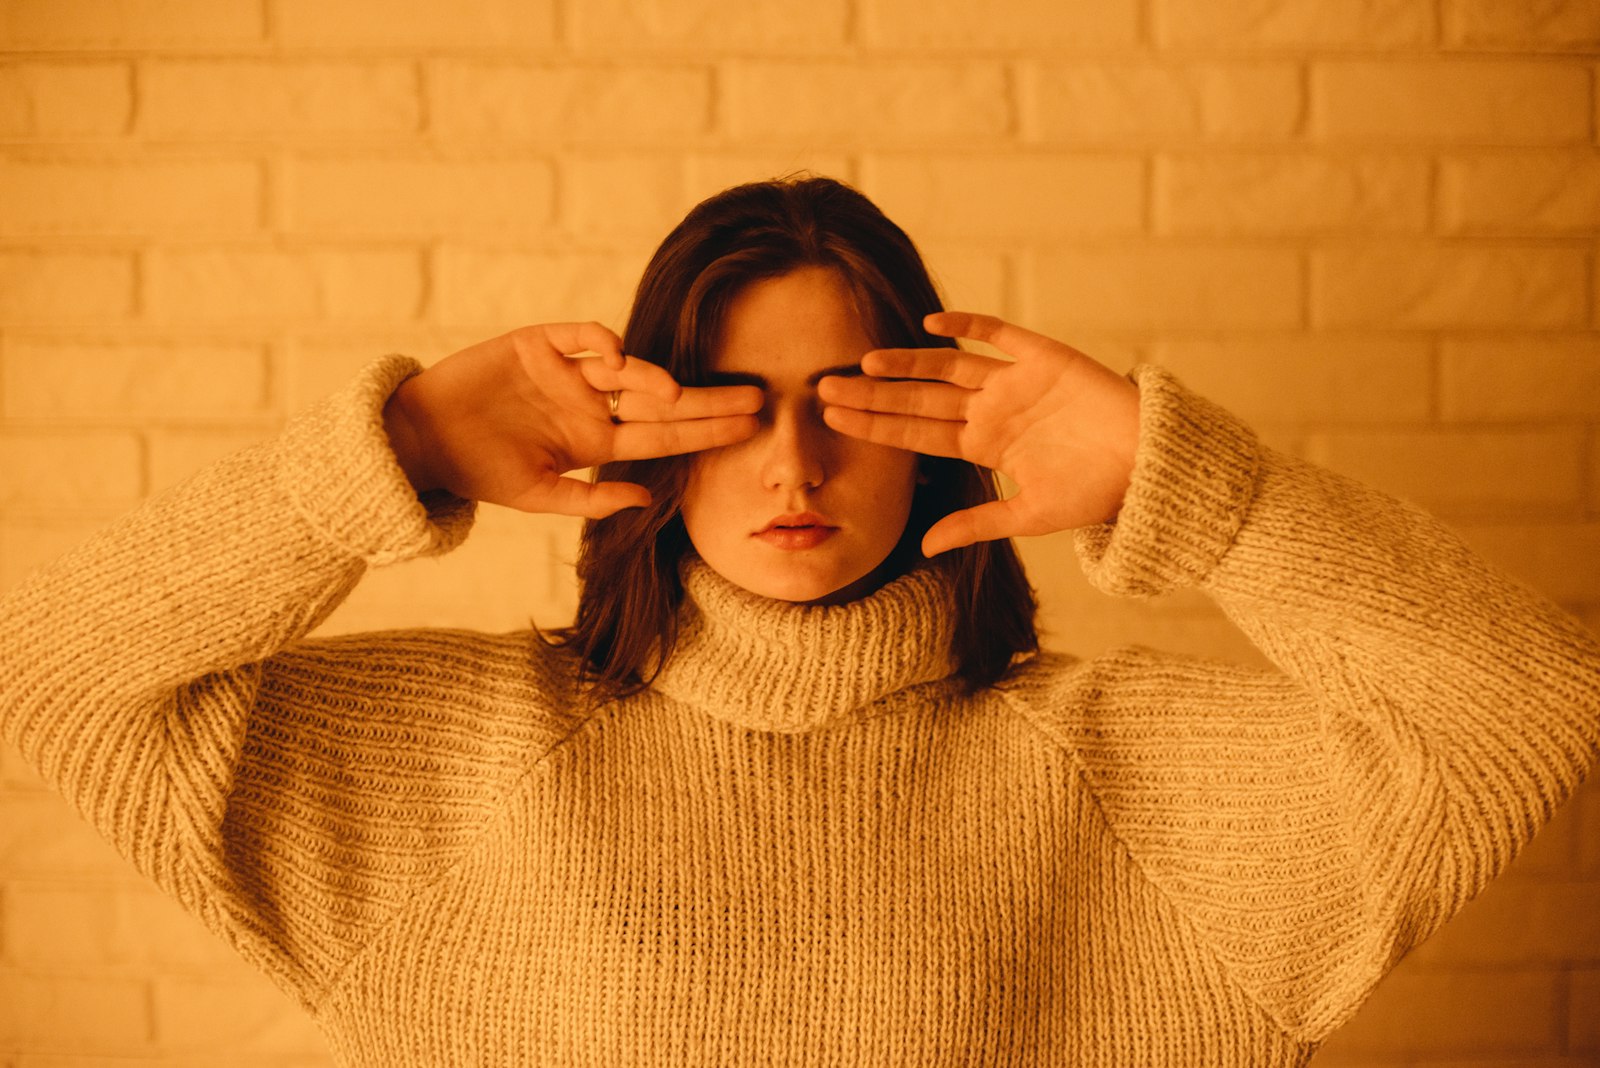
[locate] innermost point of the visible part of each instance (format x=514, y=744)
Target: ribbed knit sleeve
x=1429, y=715
x=153, y=676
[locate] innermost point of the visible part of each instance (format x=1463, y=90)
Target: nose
x=794, y=452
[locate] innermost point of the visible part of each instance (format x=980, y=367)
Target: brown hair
x=628, y=562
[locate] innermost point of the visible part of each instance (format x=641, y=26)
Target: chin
x=799, y=588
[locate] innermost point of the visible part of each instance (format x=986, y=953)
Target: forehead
x=791, y=325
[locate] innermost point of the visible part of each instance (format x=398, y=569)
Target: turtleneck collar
x=772, y=665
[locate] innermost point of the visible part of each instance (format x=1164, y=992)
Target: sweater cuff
x=340, y=473
x=1194, y=476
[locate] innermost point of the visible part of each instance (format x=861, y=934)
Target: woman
x=791, y=790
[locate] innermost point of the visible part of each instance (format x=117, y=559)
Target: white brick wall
x=1368, y=227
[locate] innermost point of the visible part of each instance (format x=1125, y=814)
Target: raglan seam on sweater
x=420, y=889
x=1081, y=769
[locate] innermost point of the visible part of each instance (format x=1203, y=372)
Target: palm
x=1060, y=425
x=514, y=414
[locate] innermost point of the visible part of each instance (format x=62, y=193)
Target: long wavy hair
x=630, y=589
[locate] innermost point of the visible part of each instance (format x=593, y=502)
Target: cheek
x=893, y=471
x=703, y=488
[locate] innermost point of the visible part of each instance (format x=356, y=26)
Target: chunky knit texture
x=804, y=844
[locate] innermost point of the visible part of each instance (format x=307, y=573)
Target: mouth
x=803, y=521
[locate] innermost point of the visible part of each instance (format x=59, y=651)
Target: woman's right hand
x=504, y=420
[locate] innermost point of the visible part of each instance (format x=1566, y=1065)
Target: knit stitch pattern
x=804, y=844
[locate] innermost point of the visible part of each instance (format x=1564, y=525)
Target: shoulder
x=1135, y=689
x=484, y=689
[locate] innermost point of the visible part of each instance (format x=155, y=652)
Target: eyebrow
x=747, y=378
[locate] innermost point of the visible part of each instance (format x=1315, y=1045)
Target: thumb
x=571, y=496
x=981, y=522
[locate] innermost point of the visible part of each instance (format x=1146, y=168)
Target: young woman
x=797, y=787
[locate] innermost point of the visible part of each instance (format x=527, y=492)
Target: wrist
x=401, y=425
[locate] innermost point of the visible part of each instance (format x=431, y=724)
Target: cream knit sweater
x=803, y=846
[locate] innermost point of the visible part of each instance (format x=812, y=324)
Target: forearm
x=1433, y=671
x=102, y=648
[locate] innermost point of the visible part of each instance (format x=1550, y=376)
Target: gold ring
x=612, y=399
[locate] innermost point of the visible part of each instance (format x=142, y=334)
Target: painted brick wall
x=1369, y=227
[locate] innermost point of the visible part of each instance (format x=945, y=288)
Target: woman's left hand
x=1060, y=425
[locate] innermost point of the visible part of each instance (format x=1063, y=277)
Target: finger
x=638, y=375
x=931, y=400
x=560, y=495
x=696, y=402
x=966, y=369
x=1009, y=338
x=645, y=441
x=935, y=437
x=983, y=522
x=573, y=338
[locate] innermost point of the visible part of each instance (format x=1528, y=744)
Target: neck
x=777, y=666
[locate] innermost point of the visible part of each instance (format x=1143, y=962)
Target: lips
x=798, y=521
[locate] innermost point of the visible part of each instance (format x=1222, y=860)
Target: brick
x=237, y=98
x=1158, y=104
x=1519, y=922
x=1424, y=1012
x=611, y=26
x=48, y=286
x=1031, y=24
x=1157, y=288
x=1587, y=615
x=81, y=470
x=247, y=1016
x=1557, y=559
x=892, y=102
x=1235, y=24
x=177, y=454
x=104, y=927
x=1523, y=377
x=1076, y=618
x=130, y=24
x=631, y=196
x=1023, y=197
x=320, y=364
x=59, y=100
x=1279, y=194
x=575, y=104
x=1518, y=195
x=1536, y=26
x=16, y=774
x=207, y=284
x=60, y=378
x=46, y=1011
x=1589, y=824
x=494, y=583
x=1583, y=1011
x=511, y=289
x=418, y=196
x=1307, y=380
x=129, y=197
x=414, y=23
x=1594, y=305
x=1552, y=853
x=26, y=543
x=1461, y=101
x=1593, y=509
x=712, y=172
x=42, y=837
x=1476, y=474
x=969, y=278
x=1432, y=287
